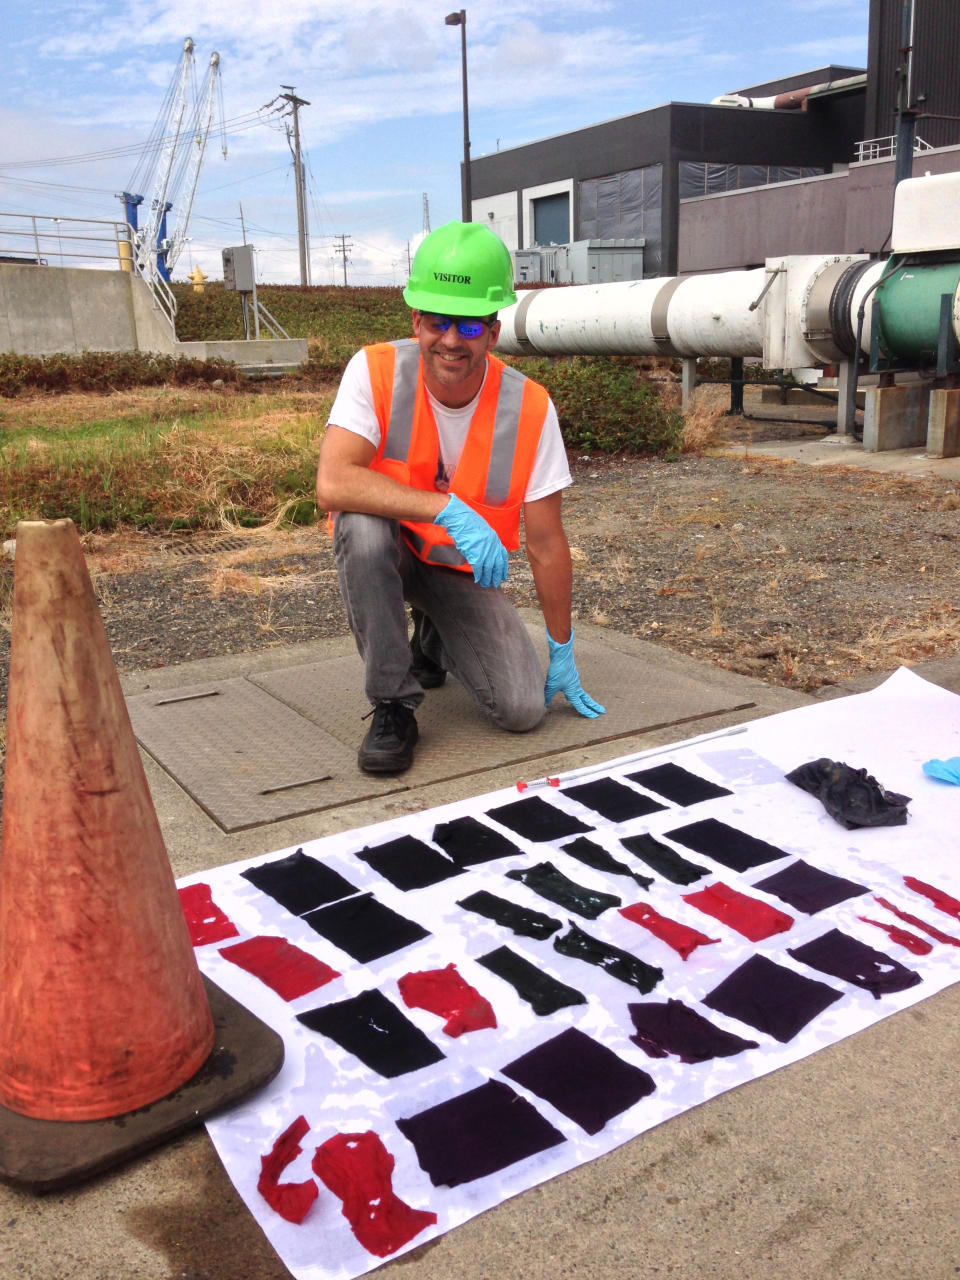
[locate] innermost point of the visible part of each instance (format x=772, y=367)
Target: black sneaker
x=388, y=746
x=423, y=668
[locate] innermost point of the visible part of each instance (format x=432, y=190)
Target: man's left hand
x=563, y=677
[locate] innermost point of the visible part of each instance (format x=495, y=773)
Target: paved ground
x=841, y=1167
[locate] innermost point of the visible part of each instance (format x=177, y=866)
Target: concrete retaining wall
x=282, y=352
x=46, y=310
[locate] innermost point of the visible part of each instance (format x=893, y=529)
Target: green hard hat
x=461, y=269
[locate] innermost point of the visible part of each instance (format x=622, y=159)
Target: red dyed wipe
x=918, y=946
x=937, y=934
x=205, y=920
x=444, y=992
x=748, y=916
x=942, y=901
x=283, y=967
x=358, y=1169
x=681, y=937
x=292, y=1200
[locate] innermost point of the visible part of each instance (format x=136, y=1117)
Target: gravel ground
x=801, y=576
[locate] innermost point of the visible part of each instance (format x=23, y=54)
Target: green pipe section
x=908, y=303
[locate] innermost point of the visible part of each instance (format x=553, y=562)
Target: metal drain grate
x=205, y=546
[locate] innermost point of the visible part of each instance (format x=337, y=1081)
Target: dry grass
x=703, y=427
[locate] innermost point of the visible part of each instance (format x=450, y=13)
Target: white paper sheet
x=889, y=731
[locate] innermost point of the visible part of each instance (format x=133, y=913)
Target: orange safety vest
x=498, y=454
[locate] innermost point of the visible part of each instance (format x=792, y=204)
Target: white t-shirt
x=354, y=411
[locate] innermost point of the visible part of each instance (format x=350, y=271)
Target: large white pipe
x=584, y=320
x=779, y=312
x=710, y=315
x=707, y=315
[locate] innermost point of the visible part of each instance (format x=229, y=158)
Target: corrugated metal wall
x=936, y=68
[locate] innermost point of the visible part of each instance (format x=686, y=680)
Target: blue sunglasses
x=465, y=328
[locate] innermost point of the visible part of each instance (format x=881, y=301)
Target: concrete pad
x=843, y=1164
x=844, y=451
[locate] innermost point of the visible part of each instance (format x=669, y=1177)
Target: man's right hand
x=476, y=541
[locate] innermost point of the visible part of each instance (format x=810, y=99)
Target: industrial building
x=804, y=164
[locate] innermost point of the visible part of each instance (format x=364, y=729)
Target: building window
x=551, y=219
x=625, y=206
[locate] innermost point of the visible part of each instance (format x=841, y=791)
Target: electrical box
x=238, y=268
x=606, y=261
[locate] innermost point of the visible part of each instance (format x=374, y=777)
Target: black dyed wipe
x=299, y=883
x=808, y=889
x=678, y=784
x=545, y=995
x=725, y=844
x=364, y=928
x=477, y=1134
x=665, y=1028
x=848, y=958
x=612, y=800
x=552, y=884
x=522, y=920
x=771, y=998
x=594, y=855
x=374, y=1030
x=661, y=858
x=469, y=841
x=535, y=819
x=408, y=863
x=619, y=964
x=584, y=1080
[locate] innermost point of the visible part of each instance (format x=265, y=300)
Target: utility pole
x=341, y=249
x=243, y=229
x=295, y=105
x=426, y=215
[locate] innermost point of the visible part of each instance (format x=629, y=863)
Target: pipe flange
x=658, y=317
x=520, y=324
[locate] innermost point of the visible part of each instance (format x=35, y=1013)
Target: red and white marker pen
x=536, y=783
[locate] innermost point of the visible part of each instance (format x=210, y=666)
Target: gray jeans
x=481, y=638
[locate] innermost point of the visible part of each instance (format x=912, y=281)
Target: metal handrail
x=79, y=240
x=886, y=148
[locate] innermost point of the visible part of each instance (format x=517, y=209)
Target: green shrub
x=605, y=405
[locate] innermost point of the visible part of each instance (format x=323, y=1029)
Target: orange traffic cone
x=102, y=1007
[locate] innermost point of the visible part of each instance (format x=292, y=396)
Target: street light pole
x=459, y=19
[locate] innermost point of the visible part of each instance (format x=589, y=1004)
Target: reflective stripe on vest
x=403, y=400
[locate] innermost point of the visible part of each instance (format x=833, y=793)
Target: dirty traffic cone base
x=103, y=1012
x=48, y=1155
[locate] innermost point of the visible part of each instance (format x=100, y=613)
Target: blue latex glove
x=476, y=542
x=563, y=677
x=944, y=770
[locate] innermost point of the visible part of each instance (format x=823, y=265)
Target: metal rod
x=302, y=782
x=187, y=697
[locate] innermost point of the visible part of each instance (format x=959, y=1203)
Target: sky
x=84, y=83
